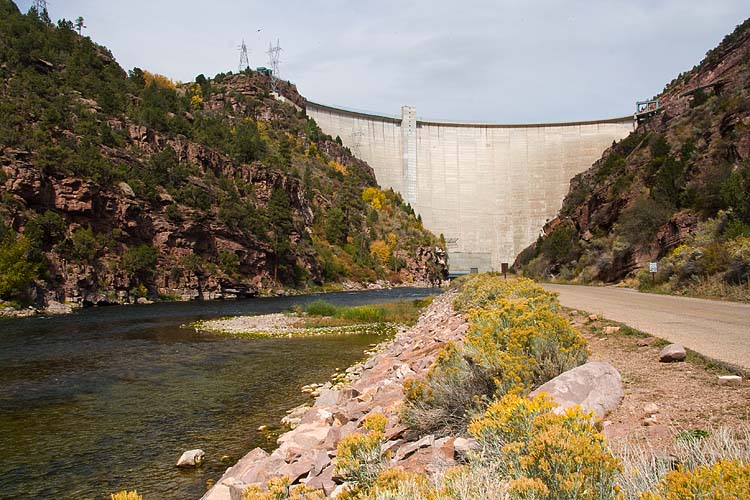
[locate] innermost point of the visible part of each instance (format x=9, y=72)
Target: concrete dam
x=488, y=188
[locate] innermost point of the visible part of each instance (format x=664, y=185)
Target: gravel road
x=720, y=330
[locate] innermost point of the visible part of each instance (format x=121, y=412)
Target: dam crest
x=488, y=188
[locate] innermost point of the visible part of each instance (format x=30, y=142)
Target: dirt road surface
x=717, y=329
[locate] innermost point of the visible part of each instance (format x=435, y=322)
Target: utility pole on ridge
x=244, y=59
x=274, y=60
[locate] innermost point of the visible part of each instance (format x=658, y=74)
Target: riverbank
x=320, y=318
x=9, y=309
x=374, y=386
x=357, y=437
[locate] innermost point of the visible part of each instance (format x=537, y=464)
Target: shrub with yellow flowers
x=724, y=480
x=516, y=341
x=360, y=458
x=452, y=391
x=483, y=291
x=126, y=495
x=280, y=488
x=546, y=455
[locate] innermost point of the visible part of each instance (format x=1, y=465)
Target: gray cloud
x=478, y=60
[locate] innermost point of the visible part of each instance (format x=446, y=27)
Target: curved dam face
x=487, y=188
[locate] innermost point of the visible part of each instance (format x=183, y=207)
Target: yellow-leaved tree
x=158, y=80
x=374, y=197
x=381, y=251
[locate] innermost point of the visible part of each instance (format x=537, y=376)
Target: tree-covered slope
x=117, y=185
x=677, y=190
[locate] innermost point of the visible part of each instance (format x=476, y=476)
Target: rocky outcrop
x=225, y=178
x=676, y=160
x=306, y=454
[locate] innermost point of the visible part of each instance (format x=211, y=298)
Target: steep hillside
x=676, y=190
x=118, y=185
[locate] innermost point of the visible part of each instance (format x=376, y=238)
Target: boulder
x=327, y=397
x=463, y=446
x=595, y=386
x=126, y=190
x=672, y=352
x=323, y=480
x=609, y=330
x=650, y=409
x=410, y=448
x=54, y=307
x=730, y=380
x=649, y=421
x=191, y=458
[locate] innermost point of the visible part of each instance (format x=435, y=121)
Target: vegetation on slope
x=116, y=185
x=674, y=191
x=526, y=448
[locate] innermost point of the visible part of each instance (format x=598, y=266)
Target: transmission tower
x=40, y=6
x=244, y=59
x=274, y=52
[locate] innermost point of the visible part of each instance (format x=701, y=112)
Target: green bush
x=140, y=261
x=321, y=308
x=639, y=223
x=561, y=243
x=45, y=230
x=17, y=272
x=85, y=245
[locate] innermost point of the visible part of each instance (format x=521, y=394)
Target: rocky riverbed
x=286, y=325
x=305, y=453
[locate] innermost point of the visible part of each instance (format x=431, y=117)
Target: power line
x=274, y=60
x=244, y=59
x=40, y=6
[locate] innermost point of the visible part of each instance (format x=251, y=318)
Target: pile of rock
x=305, y=453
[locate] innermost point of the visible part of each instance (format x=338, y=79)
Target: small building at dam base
x=488, y=188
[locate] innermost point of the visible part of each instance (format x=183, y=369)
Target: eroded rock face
x=129, y=214
x=595, y=386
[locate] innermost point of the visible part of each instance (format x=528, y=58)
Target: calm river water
x=107, y=399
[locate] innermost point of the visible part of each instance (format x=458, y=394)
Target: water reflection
x=107, y=399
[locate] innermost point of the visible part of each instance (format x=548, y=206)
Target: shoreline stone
x=191, y=458
x=306, y=452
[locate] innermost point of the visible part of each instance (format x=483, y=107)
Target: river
x=108, y=398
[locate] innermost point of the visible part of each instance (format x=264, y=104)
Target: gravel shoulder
x=687, y=394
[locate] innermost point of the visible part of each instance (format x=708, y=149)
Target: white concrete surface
x=487, y=188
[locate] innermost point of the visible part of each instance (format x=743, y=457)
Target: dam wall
x=488, y=188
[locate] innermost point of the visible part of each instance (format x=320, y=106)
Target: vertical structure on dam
x=487, y=188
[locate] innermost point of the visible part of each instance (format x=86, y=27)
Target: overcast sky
x=505, y=61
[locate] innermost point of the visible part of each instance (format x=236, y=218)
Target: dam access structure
x=488, y=188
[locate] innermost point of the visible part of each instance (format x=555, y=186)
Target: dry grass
x=643, y=466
